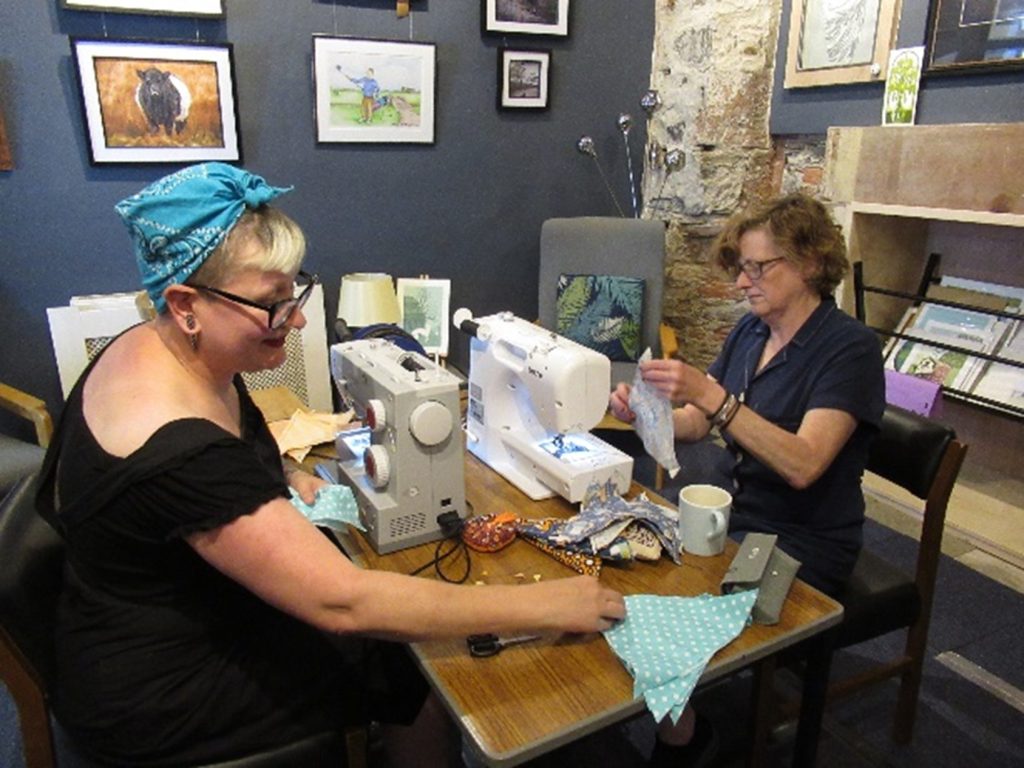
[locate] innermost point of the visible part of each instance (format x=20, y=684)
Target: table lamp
x=366, y=298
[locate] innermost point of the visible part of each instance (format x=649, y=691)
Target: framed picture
x=832, y=43
x=157, y=102
x=899, y=104
x=526, y=17
x=523, y=78
x=424, y=307
x=161, y=7
x=975, y=35
x=373, y=90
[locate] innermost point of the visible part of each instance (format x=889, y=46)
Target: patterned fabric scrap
x=666, y=642
x=603, y=312
x=334, y=507
x=602, y=507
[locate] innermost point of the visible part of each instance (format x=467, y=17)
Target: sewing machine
x=405, y=466
x=533, y=397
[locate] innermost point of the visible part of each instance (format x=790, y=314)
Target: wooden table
x=532, y=698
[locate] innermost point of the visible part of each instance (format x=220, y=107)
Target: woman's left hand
x=305, y=484
x=679, y=382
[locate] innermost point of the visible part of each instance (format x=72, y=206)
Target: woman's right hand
x=583, y=604
x=618, y=403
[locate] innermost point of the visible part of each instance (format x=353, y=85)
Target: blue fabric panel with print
x=603, y=312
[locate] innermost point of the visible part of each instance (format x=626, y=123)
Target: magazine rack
x=860, y=288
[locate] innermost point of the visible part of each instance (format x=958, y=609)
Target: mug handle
x=719, y=527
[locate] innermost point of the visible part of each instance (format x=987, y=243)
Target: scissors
x=482, y=646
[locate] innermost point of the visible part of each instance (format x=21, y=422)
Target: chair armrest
x=28, y=407
x=669, y=342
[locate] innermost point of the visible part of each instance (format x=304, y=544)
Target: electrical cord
x=451, y=527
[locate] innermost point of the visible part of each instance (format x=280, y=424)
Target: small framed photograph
x=209, y=8
x=157, y=102
x=967, y=36
x=523, y=77
x=373, y=90
x=526, y=17
x=424, y=306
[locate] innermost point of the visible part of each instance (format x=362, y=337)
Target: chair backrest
x=923, y=457
x=32, y=554
x=81, y=330
x=600, y=245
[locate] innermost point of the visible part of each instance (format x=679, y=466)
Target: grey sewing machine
x=405, y=466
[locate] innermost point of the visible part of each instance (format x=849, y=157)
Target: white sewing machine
x=406, y=465
x=533, y=396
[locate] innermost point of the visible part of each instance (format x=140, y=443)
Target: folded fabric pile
x=334, y=507
x=666, y=642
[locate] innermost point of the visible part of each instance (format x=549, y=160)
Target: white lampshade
x=367, y=298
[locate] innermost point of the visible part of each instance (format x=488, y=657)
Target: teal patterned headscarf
x=176, y=222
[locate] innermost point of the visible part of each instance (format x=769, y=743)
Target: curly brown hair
x=804, y=232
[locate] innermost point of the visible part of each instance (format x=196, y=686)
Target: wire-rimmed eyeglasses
x=754, y=269
x=278, y=313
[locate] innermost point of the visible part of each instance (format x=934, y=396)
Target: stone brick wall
x=713, y=65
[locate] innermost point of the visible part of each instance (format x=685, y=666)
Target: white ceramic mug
x=703, y=519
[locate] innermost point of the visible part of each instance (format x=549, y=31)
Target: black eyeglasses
x=754, y=269
x=278, y=313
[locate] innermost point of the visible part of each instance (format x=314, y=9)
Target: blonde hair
x=283, y=247
x=804, y=233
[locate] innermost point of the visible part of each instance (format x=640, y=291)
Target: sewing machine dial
x=378, y=465
x=376, y=415
x=430, y=423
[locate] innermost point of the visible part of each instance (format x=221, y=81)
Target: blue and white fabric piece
x=334, y=507
x=602, y=508
x=177, y=221
x=654, y=420
x=666, y=642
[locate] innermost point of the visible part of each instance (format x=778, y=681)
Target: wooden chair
x=596, y=245
x=30, y=581
x=924, y=458
x=18, y=457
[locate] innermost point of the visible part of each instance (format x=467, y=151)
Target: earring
x=193, y=338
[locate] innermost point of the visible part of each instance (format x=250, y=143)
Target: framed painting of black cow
x=157, y=102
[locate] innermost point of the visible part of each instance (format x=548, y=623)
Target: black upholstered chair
x=924, y=458
x=32, y=555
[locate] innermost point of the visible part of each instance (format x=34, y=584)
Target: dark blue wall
x=468, y=207
x=971, y=98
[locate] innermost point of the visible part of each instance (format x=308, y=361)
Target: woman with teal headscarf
x=202, y=616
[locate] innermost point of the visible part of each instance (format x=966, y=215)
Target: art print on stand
x=424, y=306
x=901, y=86
x=209, y=8
x=373, y=90
x=157, y=102
x=523, y=77
x=526, y=17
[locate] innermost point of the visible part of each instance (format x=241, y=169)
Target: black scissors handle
x=482, y=646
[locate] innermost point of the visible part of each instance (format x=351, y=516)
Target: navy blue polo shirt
x=833, y=361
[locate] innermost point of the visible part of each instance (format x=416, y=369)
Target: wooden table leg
x=812, y=701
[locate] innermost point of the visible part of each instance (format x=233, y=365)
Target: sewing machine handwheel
x=430, y=423
x=378, y=465
x=376, y=415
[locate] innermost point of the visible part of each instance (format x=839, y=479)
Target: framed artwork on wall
x=832, y=42
x=975, y=36
x=523, y=77
x=526, y=17
x=157, y=102
x=424, y=306
x=212, y=8
x=373, y=90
